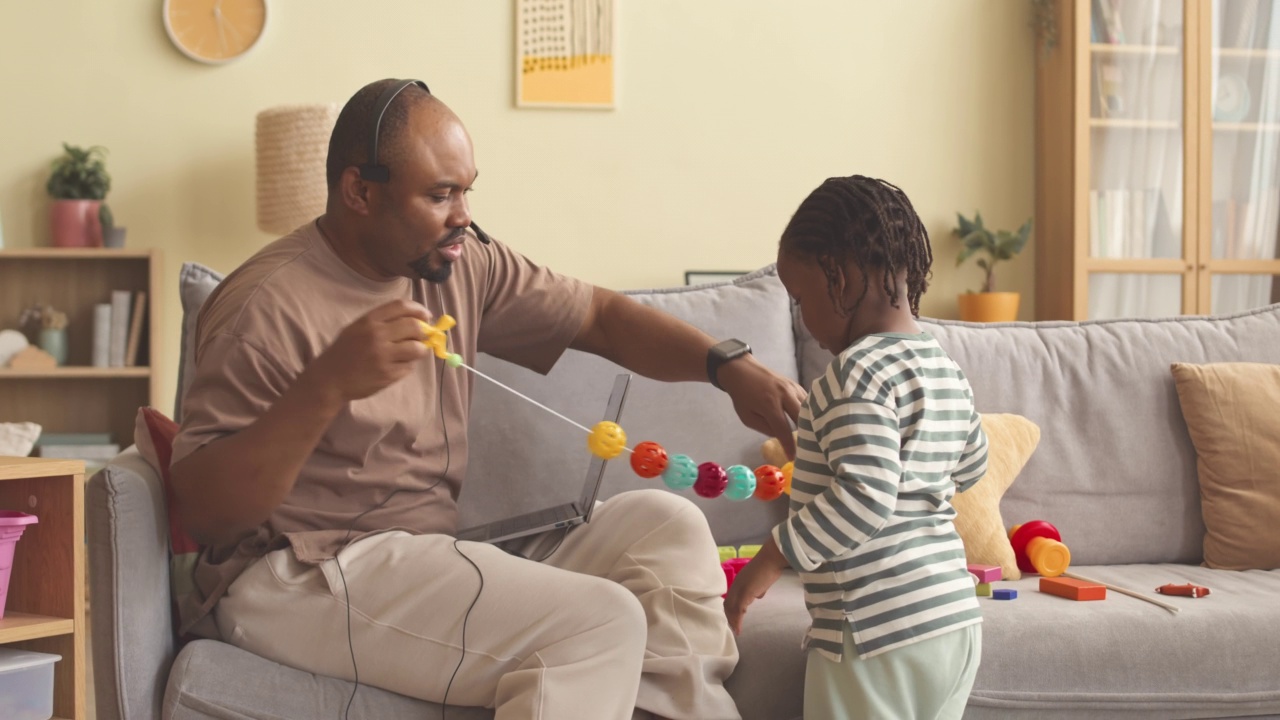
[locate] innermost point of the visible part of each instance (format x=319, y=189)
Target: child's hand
x=752, y=582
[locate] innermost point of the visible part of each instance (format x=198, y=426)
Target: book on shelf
x=1108, y=85
x=1131, y=224
x=120, y=301
x=74, y=439
x=102, y=335
x=135, y=328
x=1111, y=24
x=100, y=451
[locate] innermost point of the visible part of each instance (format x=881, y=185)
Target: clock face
x=215, y=31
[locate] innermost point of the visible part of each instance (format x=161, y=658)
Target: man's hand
x=765, y=401
x=373, y=352
x=752, y=582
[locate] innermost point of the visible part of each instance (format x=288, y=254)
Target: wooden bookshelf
x=77, y=397
x=45, y=611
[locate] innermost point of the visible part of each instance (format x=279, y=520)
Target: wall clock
x=215, y=31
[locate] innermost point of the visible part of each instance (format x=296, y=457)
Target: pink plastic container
x=12, y=525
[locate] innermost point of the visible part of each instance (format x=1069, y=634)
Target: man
x=323, y=448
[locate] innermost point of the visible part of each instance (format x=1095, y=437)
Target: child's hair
x=869, y=223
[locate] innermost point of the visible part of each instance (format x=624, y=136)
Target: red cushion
x=161, y=431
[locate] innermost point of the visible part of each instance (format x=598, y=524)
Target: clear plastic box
x=26, y=684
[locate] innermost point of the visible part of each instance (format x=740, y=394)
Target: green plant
x=998, y=245
x=1044, y=21
x=79, y=174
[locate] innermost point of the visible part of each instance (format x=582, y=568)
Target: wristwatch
x=721, y=353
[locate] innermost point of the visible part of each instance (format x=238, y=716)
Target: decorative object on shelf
x=291, y=143
x=12, y=525
x=215, y=32
x=17, y=438
x=11, y=343
x=51, y=333
x=1044, y=21
x=32, y=358
x=78, y=184
x=987, y=305
x=1231, y=98
x=112, y=234
x=565, y=54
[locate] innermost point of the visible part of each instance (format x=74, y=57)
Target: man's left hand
x=765, y=401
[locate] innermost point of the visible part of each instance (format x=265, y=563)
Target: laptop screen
x=595, y=473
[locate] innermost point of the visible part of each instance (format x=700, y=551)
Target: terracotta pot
x=74, y=223
x=989, y=307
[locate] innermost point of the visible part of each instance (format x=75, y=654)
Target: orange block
x=1073, y=589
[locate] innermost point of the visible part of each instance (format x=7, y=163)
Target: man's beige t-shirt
x=285, y=306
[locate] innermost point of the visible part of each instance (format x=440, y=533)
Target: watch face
x=731, y=348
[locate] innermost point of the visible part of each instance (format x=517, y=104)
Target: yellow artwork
x=564, y=53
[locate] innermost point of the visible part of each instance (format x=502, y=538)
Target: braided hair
x=866, y=222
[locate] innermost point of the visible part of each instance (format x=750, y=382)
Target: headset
x=374, y=171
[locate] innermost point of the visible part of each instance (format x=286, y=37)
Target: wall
x=730, y=112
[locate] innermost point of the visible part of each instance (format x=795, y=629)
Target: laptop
x=566, y=515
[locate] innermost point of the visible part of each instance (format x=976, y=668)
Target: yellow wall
x=730, y=112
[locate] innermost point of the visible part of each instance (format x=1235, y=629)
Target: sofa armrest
x=132, y=629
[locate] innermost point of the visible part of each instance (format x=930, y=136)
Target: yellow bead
x=607, y=440
x=786, y=477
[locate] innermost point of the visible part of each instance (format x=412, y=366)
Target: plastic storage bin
x=26, y=684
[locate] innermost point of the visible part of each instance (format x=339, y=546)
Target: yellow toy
x=436, y=338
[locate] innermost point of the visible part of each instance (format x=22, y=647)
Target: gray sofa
x=1115, y=471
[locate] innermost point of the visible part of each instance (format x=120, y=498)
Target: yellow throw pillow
x=1011, y=439
x=1230, y=411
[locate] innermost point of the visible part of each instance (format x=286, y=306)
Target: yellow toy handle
x=435, y=335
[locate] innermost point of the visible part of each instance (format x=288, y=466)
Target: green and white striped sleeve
x=861, y=443
x=973, y=461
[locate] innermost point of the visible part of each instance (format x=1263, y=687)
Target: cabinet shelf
x=1246, y=127
x=1129, y=49
x=16, y=627
x=1128, y=124
x=73, y=372
x=75, y=254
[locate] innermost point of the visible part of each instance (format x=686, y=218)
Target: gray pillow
x=195, y=283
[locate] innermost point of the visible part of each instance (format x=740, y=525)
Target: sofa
x=1115, y=470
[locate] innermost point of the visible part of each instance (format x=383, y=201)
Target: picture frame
x=565, y=54
x=705, y=277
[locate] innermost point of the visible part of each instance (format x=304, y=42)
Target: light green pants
x=928, y=680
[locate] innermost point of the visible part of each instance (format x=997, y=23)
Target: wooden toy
x=1038, y=548
x=1188, y=590
x=1004, y=594
x=983, y=589
x=1073, y=589
x=986, y=573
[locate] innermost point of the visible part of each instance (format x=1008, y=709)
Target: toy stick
x=1171, y=608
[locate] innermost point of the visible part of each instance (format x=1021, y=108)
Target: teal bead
x=742, y=483
x=454, y=360
x=681, y=473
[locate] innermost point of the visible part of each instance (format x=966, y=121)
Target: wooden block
x=986, y=573
x=32, y=358
x=984, y=589
x=1073, y=589
x=1004, y=594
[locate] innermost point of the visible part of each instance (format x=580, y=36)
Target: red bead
x=712, y=480
x=649, y=459
x=769, y=483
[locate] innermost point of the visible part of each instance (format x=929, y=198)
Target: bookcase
x=45, y=608
x=78, y=397
x=1158, y=158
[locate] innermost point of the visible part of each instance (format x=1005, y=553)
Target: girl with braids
x=886, y=438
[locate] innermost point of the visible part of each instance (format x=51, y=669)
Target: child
x=886, y=437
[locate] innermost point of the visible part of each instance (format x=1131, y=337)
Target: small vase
x=113, y=237
x=54, y=342
x=74, y=223
x=989, y=307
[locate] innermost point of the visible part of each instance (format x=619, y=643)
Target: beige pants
x=626, y=613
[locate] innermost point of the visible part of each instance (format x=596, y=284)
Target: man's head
x=414, y=224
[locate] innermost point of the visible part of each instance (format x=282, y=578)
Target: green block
x=727, y=552
x=748, y=551
x=984, y=589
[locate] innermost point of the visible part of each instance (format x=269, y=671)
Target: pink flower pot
x=74, y=223
x=12, y=524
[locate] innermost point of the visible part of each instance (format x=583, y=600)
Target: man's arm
x=660, y=346
x=234, y=483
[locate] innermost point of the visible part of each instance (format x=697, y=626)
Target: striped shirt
x=887, y=435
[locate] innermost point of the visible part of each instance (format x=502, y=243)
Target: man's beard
x=422, y=267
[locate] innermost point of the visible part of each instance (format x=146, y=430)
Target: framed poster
x=565, y=53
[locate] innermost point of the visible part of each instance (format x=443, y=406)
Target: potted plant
x=989, y=305
x=78, y=185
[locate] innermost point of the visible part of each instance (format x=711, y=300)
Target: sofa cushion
x=522, y=458
x=1115, y=469
x=195, y=283
x=1048, y=657
x=1231, y=413
x=1011, y=439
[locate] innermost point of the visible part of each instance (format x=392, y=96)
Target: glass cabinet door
x=1137, y=168
x=1240, y=255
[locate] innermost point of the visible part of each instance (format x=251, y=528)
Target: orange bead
x=649, y=459
x=786, y=477
x=768, y=483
